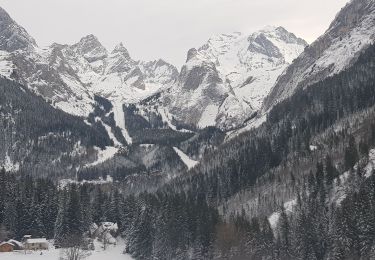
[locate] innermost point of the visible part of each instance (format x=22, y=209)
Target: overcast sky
x=152, y=29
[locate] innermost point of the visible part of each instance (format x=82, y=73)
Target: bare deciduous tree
x=74, y=253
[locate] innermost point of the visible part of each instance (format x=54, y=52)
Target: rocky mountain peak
x=261, y=44
x=191, y=54
x=91, y=48
x=120, y=48
x=289, y=37
x=12, y=36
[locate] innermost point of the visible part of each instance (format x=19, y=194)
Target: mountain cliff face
x=224, y=82
x=12, y=36
x=70, y=75
x=352, y=31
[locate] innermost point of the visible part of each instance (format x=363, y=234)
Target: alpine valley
x=261, y=146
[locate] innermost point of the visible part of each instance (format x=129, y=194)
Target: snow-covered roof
x=15, y=242
x=6, y=243
x=110, y=226
x=36, y=241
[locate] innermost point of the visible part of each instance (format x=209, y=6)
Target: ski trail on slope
x=186, y=159
x=120, y=120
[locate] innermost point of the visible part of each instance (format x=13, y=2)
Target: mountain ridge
x=351, y=32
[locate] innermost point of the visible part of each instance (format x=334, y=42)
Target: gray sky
x=152, y=29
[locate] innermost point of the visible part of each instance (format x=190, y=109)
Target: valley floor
x=112, y=253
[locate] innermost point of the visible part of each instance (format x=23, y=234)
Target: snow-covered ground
x=104, y=155
x=112, y=253
x=186, y=159
x=274, y=218
x=64, y=182
x=120, y=120
x=110, y=134
x=208, y=117
x=9, y=166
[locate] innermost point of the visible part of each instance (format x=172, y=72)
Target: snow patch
x=371, y=165
x=208, y=117
x=119, y=116
x=274, y=218
x=103, y=155
x=110, y=134
x=9, y=166
x=65, y=182
x=186, y=159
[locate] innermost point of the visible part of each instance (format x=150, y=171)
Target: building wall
x=36, y=246
x=6, y=248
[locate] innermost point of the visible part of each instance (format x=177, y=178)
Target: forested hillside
x=338, y=111
x=314, y=152
x=33, y=134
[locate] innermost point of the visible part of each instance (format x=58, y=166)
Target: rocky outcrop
x=12, y=36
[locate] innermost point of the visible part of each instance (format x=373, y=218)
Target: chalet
x=25, y=237
x=36, y=244
x=17, y=244
x=6, y=247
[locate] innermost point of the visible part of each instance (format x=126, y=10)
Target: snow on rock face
x=90, y=48
x=68, y=76
x=12, y=36
x=351, y=32
x=232, y=73
x=223, y=83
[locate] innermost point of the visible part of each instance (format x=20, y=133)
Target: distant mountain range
x=223, y=83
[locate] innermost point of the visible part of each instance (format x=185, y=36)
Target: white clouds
x=166, y=28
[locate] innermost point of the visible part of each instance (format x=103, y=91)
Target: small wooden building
x=17, y=244
x=36, y=244
x=6, y=247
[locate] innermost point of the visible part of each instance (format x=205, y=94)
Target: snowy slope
x=224, y=82
x=12, y=36
x=186, y=159
x=351, y=32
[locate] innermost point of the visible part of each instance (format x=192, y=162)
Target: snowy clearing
x=186, y=159
x=120, y=120
x=103, y=155
x=274, y=218
x=112, y=253
x=64, y=182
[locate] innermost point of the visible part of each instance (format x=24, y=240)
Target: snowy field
x=112, y=253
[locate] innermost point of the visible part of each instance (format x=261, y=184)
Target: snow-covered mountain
x=224, y=82
x=70, y=75
x=352, y=31
x=12, y=36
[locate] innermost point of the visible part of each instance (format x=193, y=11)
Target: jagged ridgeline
x=34, y=135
